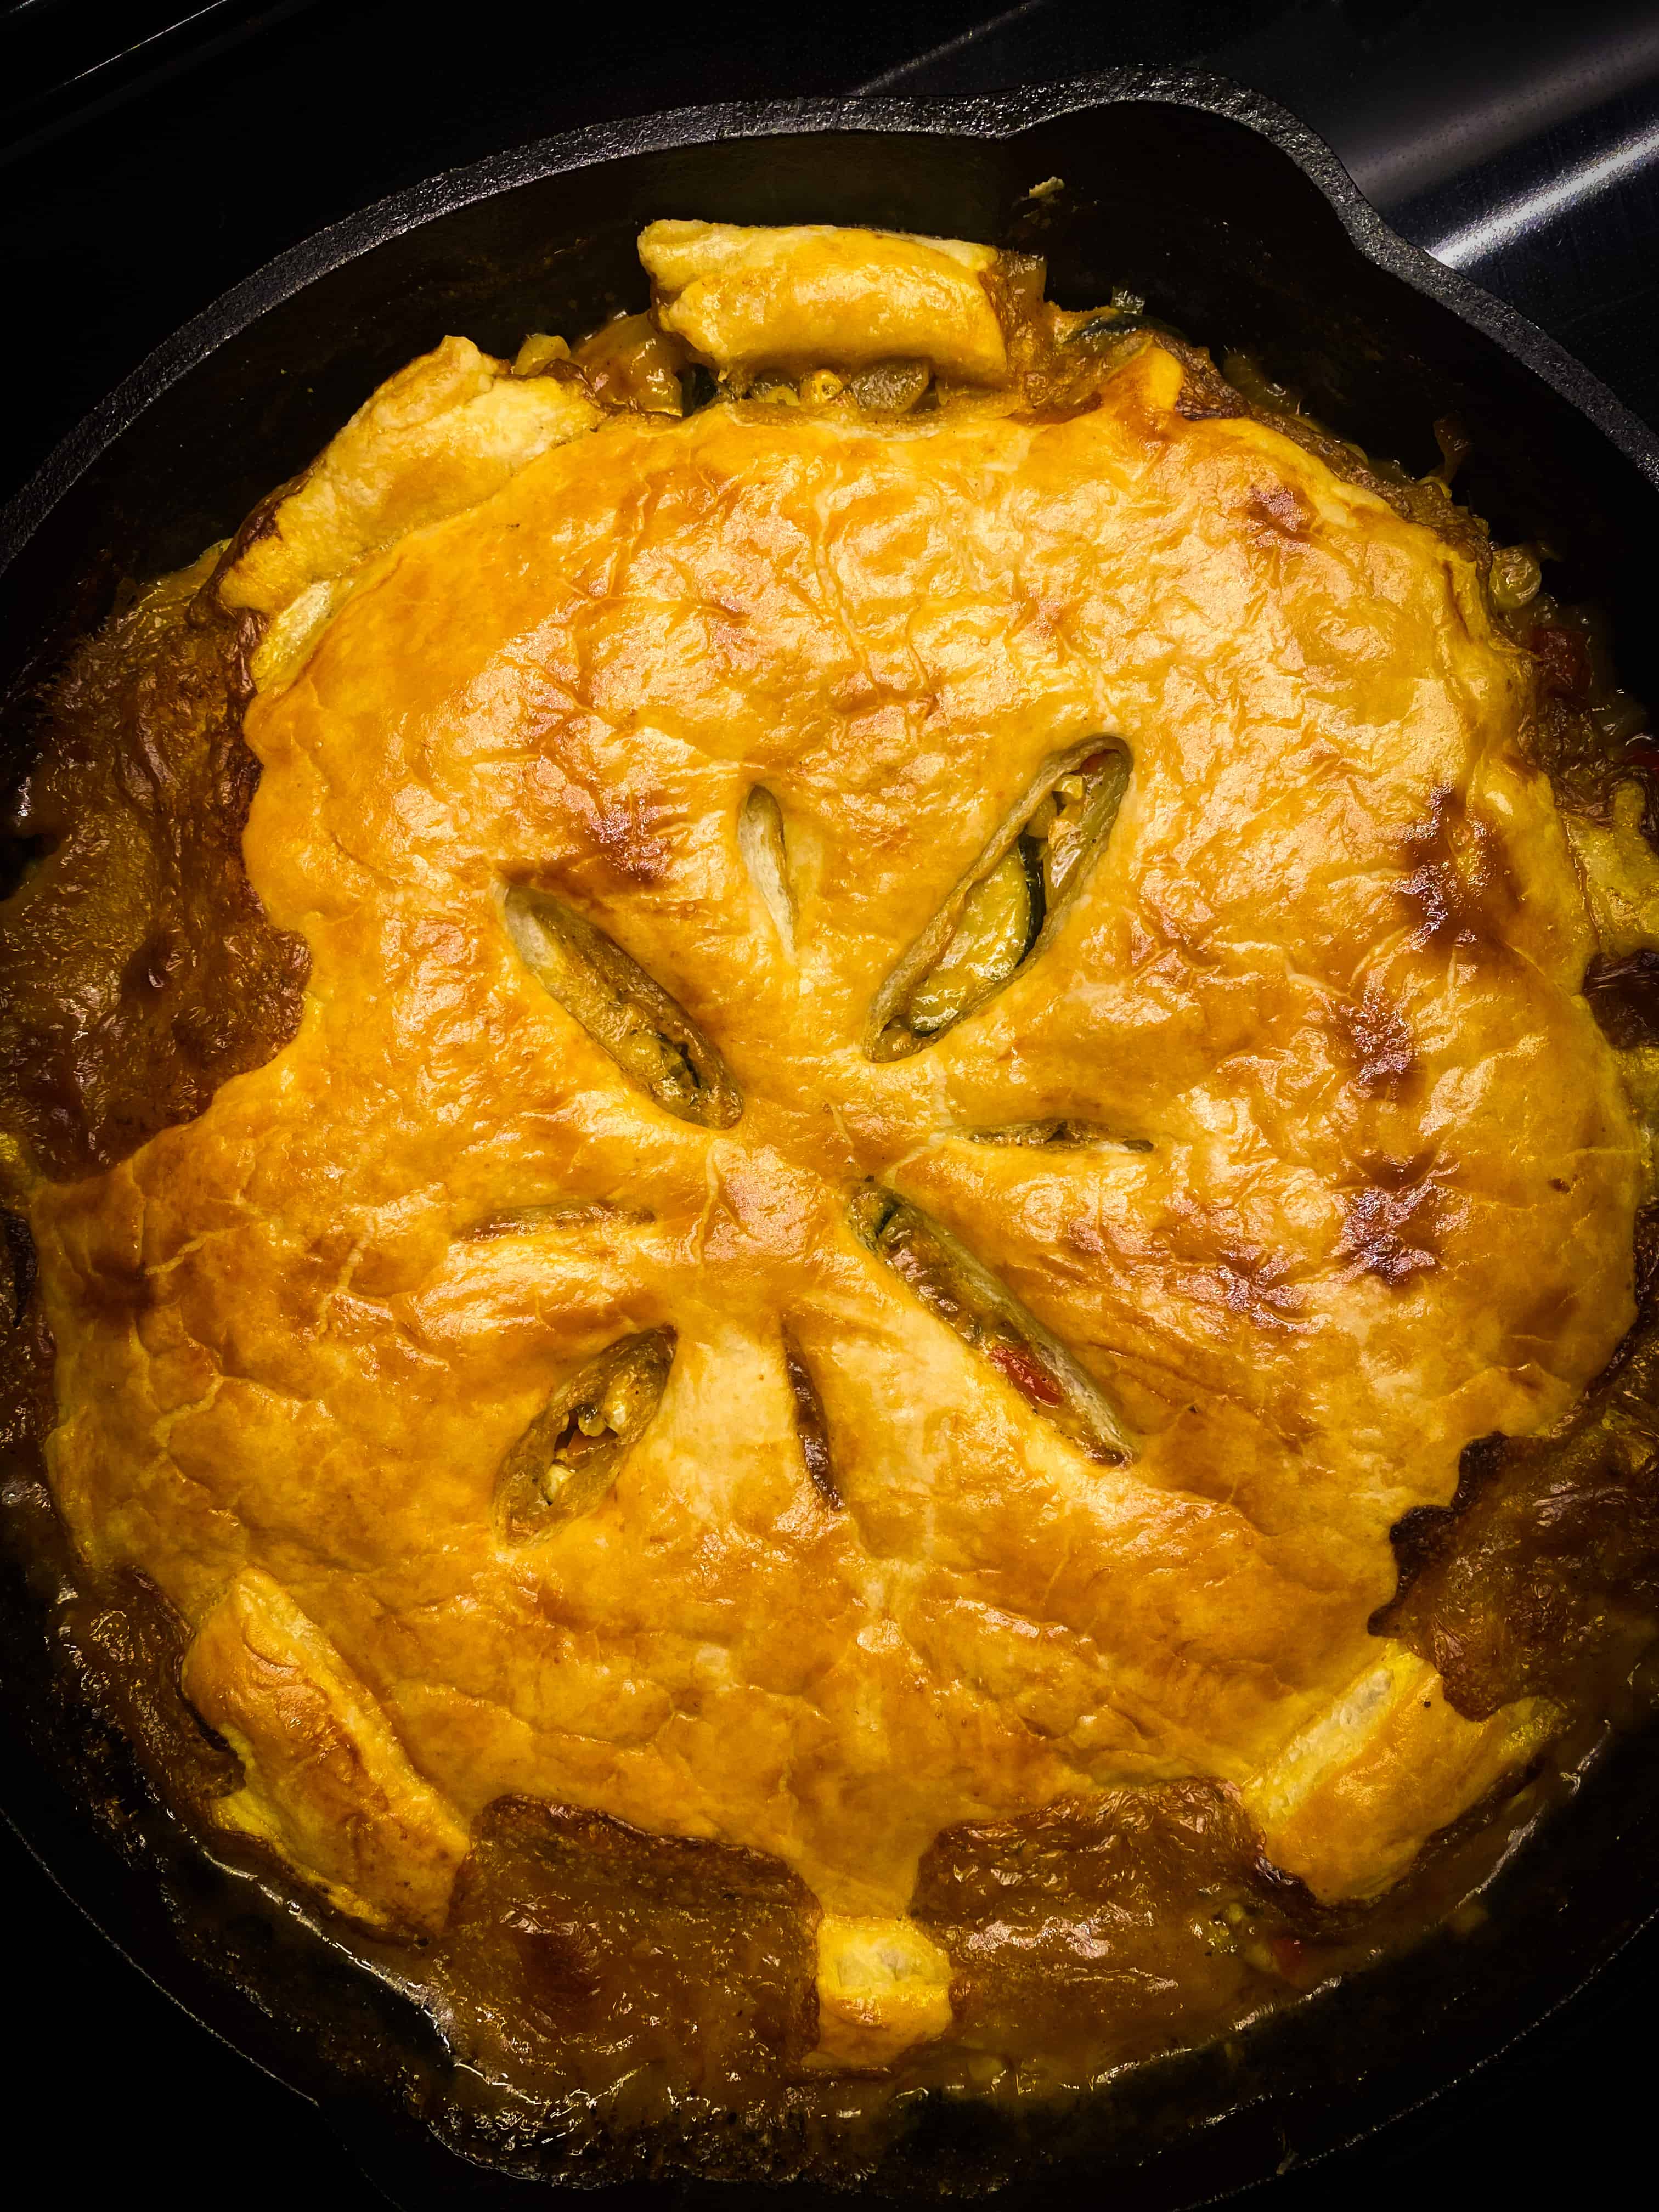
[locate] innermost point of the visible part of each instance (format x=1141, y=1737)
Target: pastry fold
x=442, y=435
x=816, y=297
x=326, y=1784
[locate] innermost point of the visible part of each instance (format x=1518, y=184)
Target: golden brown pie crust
x=1331, y=1169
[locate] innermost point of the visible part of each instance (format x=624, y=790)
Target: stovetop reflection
x=1518, y=143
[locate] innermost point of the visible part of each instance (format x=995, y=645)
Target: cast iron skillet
x=1241, y=229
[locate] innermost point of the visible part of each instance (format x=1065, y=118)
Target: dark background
x=153, y=152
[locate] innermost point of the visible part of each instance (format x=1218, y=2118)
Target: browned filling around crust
x=137, y=970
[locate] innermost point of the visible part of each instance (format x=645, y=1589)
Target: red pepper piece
x=1027, y=1376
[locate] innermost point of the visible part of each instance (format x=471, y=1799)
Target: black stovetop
x=155, y=151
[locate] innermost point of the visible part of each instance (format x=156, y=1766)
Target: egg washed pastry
x=924, y=1063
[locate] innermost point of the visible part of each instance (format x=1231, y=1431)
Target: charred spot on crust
x=1624, y=997
x=1391, y=1227
x=970, y=1301
x=1209, y=1264
x=140, y=914
x=1281, y=511
x=621, y=831
x=1259, y=1286
x=1377, y=1040
x=1457, y=876
x=570, y=1456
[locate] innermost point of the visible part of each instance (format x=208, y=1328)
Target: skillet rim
x=999, y=116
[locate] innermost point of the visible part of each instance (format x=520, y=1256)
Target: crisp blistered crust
x=1325, y=1167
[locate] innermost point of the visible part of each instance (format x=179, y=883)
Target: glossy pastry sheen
x=1325, y=1167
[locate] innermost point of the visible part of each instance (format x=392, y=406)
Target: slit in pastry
x=651, y=1038
x=810, y=1425
x=1064, y=1134
x=984, y=1314
x=560, y=1213
x=567, y=1460
x=1005, y=911
x=760, y=841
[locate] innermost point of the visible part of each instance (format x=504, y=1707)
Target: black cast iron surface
x=154, y=150
x=243, y=396
x=1516, y=140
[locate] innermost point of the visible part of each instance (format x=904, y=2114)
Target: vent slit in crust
x=1065, y=1134
x=651, y=1038
x=766, y=856
x=1006, y=910
x=810, y=1425
x=568, y=1459
x=985, y=1314
x=562, y=1214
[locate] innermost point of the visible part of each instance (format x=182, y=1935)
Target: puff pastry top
x=1324, y=974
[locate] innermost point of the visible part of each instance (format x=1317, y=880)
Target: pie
x=894, y=1063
